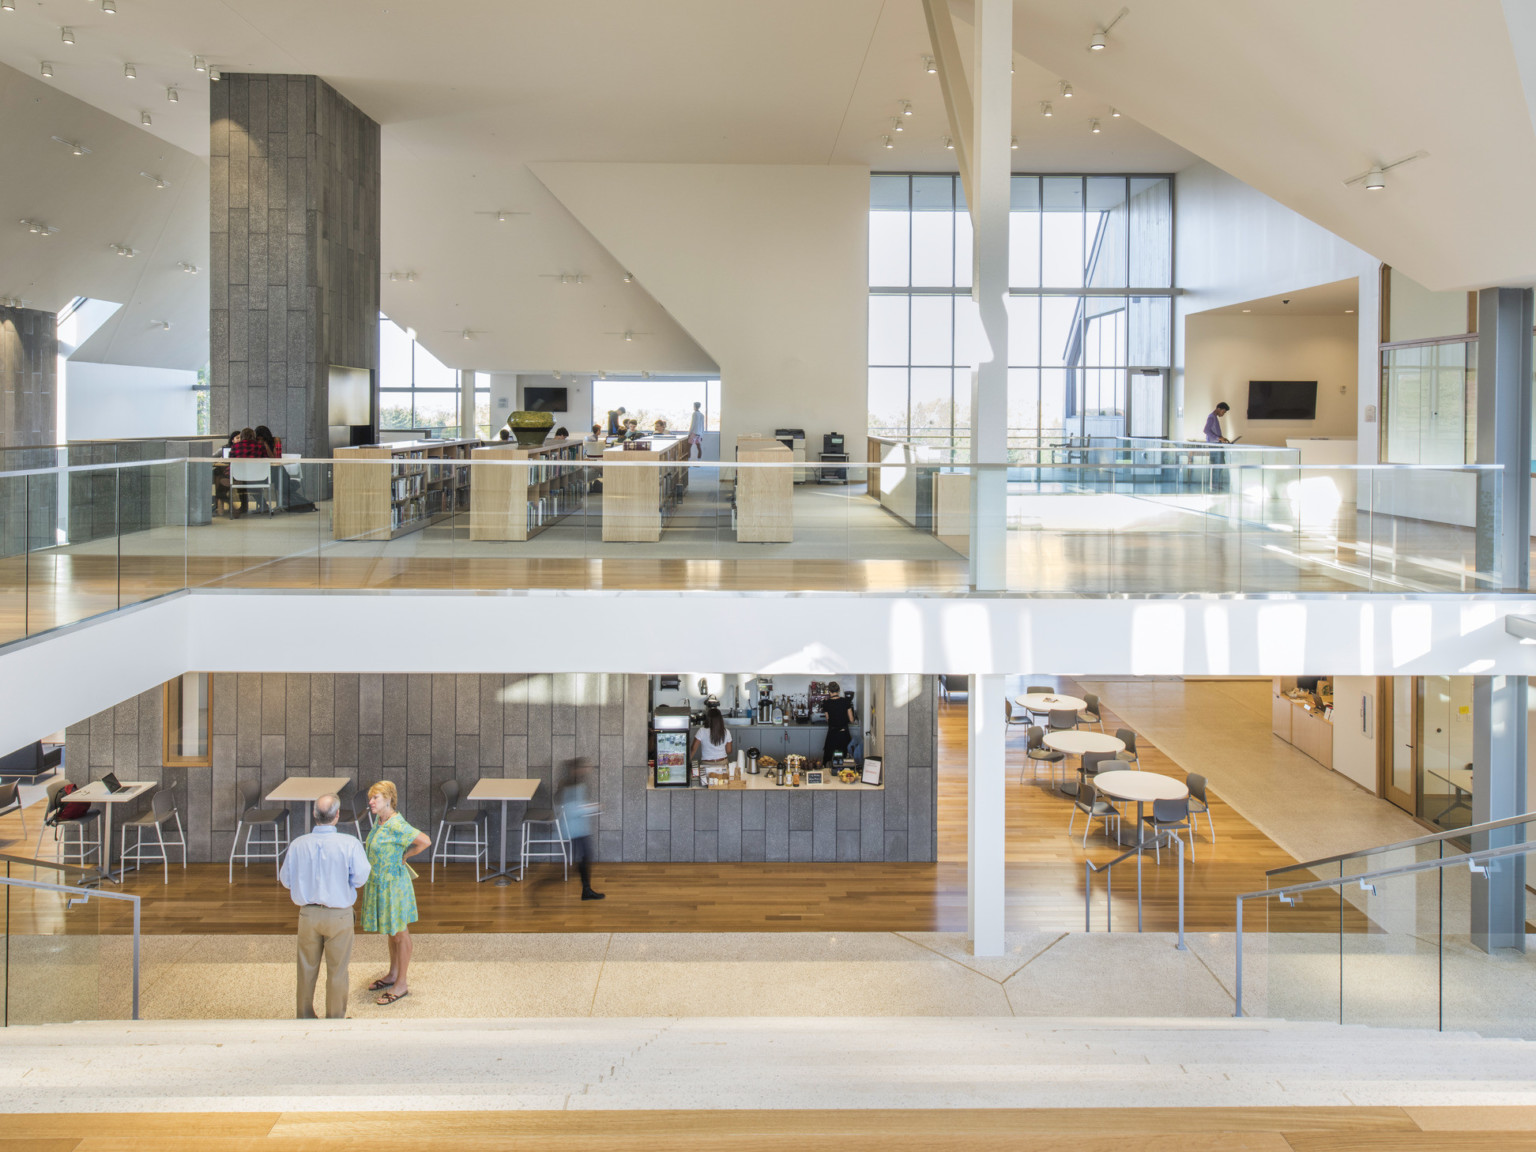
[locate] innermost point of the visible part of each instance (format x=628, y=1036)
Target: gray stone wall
x=29, y=358
x=420, y=730
x=294, y=252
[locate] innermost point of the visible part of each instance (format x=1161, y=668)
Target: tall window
x=417, y=390
x=646, y=400
x=188, y=703
x=1090, y=274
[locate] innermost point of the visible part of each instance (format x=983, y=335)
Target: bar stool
x=537, y=822
x=353, y=810
x=87, y=830
x=162, y=808
x=247, y=796
x=456, y=820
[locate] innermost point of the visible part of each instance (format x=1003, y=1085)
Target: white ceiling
x=1337, y=299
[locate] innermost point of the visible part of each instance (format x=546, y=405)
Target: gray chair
x=1039, y=690
x=1062, y=719
x=1128, y=753
x=10, y=801
x=354, y=809
x=252, y=819
x=1012, y=718
x=162, y=809
x=86, y=830
x=1173, y=817
x=1087, y=802
x=950, y=684
x=1040, y=754
x=455, y=820
x=543, y=826
x=1090, y=713
x=1198, y=802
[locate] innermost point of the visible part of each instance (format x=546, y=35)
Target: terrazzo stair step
x=644, y=1063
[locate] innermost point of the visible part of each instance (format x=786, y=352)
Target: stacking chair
x=1128, y=753
x=1087, y=802
x=1062, y=719
x=450, y=845
x=86, y=830
x=1091, y=764
x=252, y=818
x=1198, y=802
x=251, y=474
x=10, y=801
x=1012, y=719
x=162, y=809
x=1090, y=713
x=1040, y=754
x=541, y=827
x=1170, y=816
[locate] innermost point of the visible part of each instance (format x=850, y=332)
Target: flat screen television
x=1282, y=399
x=544, y=400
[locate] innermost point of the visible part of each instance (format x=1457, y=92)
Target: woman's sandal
x=389, y=998
x=380, y=985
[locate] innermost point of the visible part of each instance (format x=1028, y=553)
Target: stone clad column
x=293, y=253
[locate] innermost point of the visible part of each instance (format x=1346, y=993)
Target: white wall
x=766, y=266
x=1223, y=352
x=1232, y=243
x=1354, y=736
x=117, y=401
x=1418, y=314
x=507, y=398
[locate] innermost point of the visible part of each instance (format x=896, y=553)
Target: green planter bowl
x=530, y=437
x=531, y=428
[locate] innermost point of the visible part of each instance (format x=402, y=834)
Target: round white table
x=1140, y=787
x=1045, y=702
x=1075, y=742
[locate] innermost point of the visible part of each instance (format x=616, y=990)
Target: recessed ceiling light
x=1093, y=126
x=130, y=72
x=889, y=143
x=1045, y=108
x=146, y=119
x=929, y=66
x=67, y=35
x=48, y=68
x=173, y=96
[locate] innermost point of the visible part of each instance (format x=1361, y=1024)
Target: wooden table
x=1139, y=787
x=306, y=790
x=96, y=792
x=1044, y=702
x=507, y=791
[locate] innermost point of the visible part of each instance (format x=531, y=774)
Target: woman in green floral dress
x=389, y=900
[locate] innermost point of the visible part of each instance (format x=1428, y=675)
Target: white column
x=986, y=826
x=991, y=163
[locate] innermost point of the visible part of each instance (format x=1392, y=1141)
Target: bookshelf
x=638, y=501
x=533, y=489
x=764, y=496
x=426, y=481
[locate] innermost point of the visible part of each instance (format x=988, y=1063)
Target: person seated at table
x=632, y=429
x=660, y=427
x=221, y=475
x=504, y=434
x=562, y=433
x=247, y=447
x=274, y=445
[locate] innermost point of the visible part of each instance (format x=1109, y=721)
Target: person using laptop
x=322, y=872
x=1215, y=435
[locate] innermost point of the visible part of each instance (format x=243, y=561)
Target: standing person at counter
x=838, y=708
x=712, y=746
x=389, y=901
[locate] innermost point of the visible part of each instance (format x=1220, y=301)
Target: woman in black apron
x=838, y=708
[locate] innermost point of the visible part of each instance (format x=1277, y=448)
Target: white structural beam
x=989, y=198
x=986, y=804
x=952, y=82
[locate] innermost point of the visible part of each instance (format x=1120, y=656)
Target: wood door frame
x=1386, y=741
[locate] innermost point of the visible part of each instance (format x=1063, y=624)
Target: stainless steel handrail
x=1295, y=891
x=1089, y=868
x=84, y=894
x=1453, y=834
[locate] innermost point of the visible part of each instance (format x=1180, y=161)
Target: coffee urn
x=752, y=755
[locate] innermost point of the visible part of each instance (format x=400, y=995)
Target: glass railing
x=132, y=532
x=70, y=953
x=1394, y=937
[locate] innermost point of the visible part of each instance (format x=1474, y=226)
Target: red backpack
x=63, y=811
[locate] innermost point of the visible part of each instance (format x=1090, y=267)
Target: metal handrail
x=1294, y=892
x=1089, y=868
x=84, y=895
x=1453, y=834
x=27, y=860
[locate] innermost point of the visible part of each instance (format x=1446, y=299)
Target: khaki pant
x=327, y=930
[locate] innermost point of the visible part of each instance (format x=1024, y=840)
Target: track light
x=160, y=182
x=67, y=35
x=1375, y=180
x=1014, y=143
x=889, y=143
x=123, y=250
x=7, y=5
x=199, y=64
x=929, y=66
x=557, y=373
x=1375, y=177
x=602, y=375
x=1100, y=39
x=466, y=334
x=77, y=149
x=189, y=269
x=1114, y=113
x=629, y=277
x=109, y=7
x=1045, y=108
x=163, y=325
x=1093, y=126
x=146, y=119
x=897, y=125
x=1097, y=44
x=215, y=75
x=48, y=69
x=130, y=72
x=38, y=227
x=173, y=96
x=645, y=375
x=948, y=143
x=1066, y=90
x=906, y=107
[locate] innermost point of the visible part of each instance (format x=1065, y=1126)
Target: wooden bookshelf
x=638, y=501
x=425, y=481
x=532, y=489
x=764, y=496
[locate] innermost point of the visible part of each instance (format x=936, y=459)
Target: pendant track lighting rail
x=1375, y=177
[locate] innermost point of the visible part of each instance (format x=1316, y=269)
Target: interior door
x=1400, y=770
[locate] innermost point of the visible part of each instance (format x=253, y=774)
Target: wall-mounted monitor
x=545, y=400
x=1282, y=399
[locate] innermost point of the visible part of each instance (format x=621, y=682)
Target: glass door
x=1445, y=751
x=1403, y=723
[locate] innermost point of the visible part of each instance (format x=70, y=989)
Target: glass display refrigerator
x=671, y=731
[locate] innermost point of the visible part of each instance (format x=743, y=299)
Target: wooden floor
x=1044, y=880
x=853, y=1130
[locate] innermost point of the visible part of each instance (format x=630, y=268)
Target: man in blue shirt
x=1214, y=435
x=322, y=872
x=576, y=811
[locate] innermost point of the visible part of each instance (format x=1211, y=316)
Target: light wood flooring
x=1044, y=879
x=1085, y=1129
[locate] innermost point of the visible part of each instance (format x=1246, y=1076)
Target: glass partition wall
x=1090, y=316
